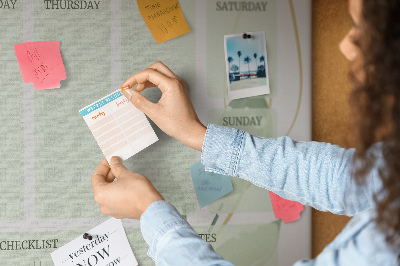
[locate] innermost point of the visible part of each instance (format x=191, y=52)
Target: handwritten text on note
x=164, y=18
x=41, y=63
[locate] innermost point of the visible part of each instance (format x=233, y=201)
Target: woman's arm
x=315, y=174
x=171, y=240
x=312, y=173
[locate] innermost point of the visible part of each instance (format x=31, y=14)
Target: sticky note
x=109, y=246
x=209, y=186
x=41, y=63
x=288, y=211
x=164, y=18
x=118, y=126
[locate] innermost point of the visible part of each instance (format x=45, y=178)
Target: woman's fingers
x=158, y=79
x=160, y=67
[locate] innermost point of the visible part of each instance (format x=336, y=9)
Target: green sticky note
x=209, y=186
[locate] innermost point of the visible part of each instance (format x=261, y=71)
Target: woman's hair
x=375, y=103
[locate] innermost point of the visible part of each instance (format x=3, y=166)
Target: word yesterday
x=87, y=247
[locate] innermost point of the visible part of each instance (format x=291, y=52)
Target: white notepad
x=118, y=126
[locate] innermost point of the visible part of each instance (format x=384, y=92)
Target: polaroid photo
x=246, y=65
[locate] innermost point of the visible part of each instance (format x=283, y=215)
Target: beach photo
x=246, y=65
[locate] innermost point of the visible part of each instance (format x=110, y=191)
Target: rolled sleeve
x=222, y=148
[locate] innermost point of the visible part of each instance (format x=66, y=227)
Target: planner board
x=49, y=154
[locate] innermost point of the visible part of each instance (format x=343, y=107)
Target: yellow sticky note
x=164, y=18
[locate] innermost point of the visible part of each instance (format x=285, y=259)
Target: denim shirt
x=312, y=173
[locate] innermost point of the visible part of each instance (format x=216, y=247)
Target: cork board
x=330, y=96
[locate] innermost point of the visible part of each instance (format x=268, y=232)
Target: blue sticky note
x=209, y=186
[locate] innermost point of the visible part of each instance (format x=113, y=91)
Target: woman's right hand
x=174, y=112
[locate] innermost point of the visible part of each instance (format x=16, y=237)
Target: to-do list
x=118, y=126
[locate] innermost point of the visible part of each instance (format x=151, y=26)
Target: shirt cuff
x=158, y=219
x=222, y=148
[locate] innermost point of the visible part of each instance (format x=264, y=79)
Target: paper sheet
x=118, y=126
x=109, y=246
x=164, y=18
x=41, y=63
x=209, y=186
x=288, y=211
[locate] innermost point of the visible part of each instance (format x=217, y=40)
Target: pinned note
x=107, y=246
x=164, y=18
x=118, y=126
x=41, y=63
x=209, y=186
x=288, y=211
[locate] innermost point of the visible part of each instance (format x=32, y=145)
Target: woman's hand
x=127, y=197
x=174, y=112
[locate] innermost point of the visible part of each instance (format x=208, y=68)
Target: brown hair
x=375, y=103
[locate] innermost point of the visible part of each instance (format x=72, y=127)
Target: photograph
x=246, y=65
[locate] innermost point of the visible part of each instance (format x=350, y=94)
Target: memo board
x=49, y=154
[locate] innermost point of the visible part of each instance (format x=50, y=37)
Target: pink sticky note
x=41, y=63
x=288, y=211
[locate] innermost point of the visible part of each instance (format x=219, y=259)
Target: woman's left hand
x=127, y=197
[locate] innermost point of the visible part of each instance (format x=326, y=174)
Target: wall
x=331, y=90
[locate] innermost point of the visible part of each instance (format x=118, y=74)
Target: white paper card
x=108, y=247
x=118, y=126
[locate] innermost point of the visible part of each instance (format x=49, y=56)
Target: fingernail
x=128, y=94
x=115, y=160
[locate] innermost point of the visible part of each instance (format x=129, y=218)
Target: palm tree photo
x=230, y=60
x=255, y=60
x=247, y=60
x=239, y=53
x=262, y=59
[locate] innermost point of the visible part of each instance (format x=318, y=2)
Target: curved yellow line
x=300, y=64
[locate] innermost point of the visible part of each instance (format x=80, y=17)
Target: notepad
x=119, y=128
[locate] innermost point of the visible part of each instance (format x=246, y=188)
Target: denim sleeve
x=312, y=173
x=172, y=241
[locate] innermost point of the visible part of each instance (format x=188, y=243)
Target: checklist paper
x=118, y=126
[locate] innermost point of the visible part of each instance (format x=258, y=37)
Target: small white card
x=118, y=126
x=108, y=247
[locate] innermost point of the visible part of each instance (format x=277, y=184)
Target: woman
x=363, y=182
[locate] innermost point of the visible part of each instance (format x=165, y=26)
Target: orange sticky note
x=41, y=63
x=164, y=18
x=288, y=211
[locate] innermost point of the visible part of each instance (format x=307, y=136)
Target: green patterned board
x=49, y=155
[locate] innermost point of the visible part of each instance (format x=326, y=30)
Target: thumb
x=138, y=100
x=117, y=167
